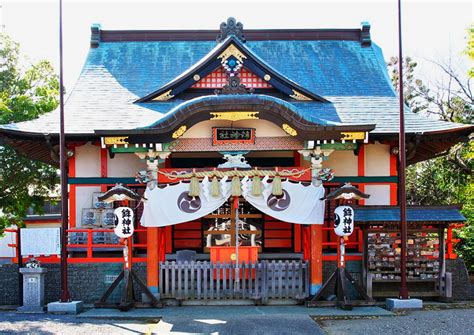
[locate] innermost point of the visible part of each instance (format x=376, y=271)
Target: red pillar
x=152, y=258
x=316, y=259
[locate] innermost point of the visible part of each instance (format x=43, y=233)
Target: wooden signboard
x=222, y=136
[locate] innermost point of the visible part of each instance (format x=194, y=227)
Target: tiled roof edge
x=99, y=35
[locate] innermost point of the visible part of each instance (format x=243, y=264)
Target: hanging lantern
x=123, y=222
x=343, y=220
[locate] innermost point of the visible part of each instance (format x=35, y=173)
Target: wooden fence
x=260, y=281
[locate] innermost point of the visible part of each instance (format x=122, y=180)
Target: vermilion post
x=401, y=173
x=63, y=167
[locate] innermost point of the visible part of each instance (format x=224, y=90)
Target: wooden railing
x=259, y=281
x=91, y=246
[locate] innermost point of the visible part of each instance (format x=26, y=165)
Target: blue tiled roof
x=352, y=77
x=414, y=214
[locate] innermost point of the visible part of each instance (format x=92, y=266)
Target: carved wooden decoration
x=353, y=136
x=164, y=97
x=178, y=133
x=234, y=116
x=115, y=140
x=234, y=87
x=231, y=51
x=298, y=96
x=289, y=130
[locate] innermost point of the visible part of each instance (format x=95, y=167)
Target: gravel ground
x=13, y=323
x=449, y=321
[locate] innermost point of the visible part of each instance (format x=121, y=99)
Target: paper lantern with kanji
x=343, y=220
x=123, y=222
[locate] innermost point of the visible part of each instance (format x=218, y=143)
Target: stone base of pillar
x=72, y=307
x=31, y=309
x=397, y=304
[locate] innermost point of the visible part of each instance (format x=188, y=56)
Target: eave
x=268, y=108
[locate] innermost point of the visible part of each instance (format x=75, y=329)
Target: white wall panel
x=344, y=163
x=377, y=160
x=87, y=161
x=379, y=194
x=124, y=165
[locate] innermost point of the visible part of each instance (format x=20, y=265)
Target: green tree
x=447, y=179
x=25, y=93
x=470, y=48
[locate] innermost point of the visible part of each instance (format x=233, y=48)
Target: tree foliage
x=25, y=93
x=447, y=179
x=470, y=48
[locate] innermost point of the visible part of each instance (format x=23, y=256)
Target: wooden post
x=152, y=258
x=316, y=260
x=441, y=259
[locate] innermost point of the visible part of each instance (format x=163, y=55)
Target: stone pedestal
x=71, y=307
x=33, y=290
x=397, y=304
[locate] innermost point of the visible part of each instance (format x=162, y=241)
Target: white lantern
x=343, y=220
x=123, y=222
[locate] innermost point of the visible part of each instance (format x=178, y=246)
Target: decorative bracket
x=153, y=159
x=317, y=156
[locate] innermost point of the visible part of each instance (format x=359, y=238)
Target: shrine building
x=234, y=137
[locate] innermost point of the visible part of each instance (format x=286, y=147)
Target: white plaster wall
x=344, y=163
x=379, y=194
x=5, y=250
x=377, y=160
x=124, y=165
x=263, y=128
x=84, y=200
x=87, y=161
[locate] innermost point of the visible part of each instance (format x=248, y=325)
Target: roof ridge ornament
x=365, y=39
x=231, y=27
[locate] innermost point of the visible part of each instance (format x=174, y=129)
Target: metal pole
x=236, y=208
x=20, y=265
x=63, y=167
x=402, y=158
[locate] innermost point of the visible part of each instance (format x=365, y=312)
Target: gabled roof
x=342, y=66
x=231, y=47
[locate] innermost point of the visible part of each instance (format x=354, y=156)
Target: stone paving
x=245, y=320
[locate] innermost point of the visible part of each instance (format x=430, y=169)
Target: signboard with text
x=40, y=241
x=222, y=136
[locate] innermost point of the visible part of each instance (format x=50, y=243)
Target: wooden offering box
x=248, y=254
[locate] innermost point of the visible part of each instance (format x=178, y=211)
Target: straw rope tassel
x=194, y=187
x=256, y=186
x=276, y=186
x=215, y=188
x=236, y=189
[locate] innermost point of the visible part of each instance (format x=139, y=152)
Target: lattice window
x=217, y=79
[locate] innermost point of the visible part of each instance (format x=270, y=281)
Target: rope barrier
x=234, y=173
